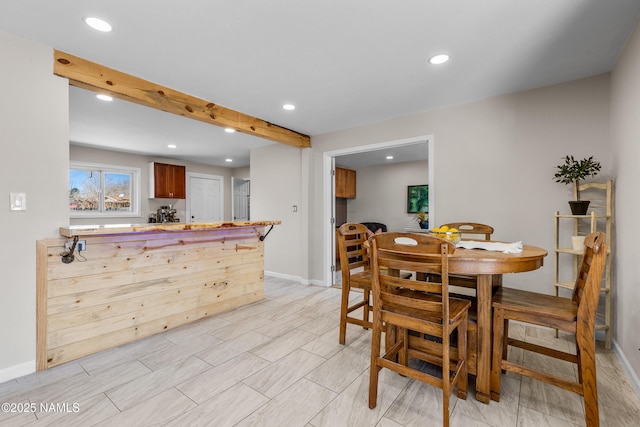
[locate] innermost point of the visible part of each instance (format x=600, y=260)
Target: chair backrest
x=586, y=290
x=417, y=253
x=472, y=228
x=353, y=254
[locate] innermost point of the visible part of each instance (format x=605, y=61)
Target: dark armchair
x=375, y=226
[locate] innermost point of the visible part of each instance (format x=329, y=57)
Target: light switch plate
x=18, y=201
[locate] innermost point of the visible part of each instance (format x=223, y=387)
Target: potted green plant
x=422, y=219
x=573, y=171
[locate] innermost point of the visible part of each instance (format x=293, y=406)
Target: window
x=102, y=190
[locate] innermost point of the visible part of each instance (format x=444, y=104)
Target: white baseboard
x=286, y=277
x=16, y=371
x=318, y=283
x=631, y=375
x=296, y=279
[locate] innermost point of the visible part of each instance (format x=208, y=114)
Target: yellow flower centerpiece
x=422, y=219
x=444, y=232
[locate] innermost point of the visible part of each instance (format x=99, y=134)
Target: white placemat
x=507, y=248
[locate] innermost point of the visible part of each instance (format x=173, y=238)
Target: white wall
x=625, y=138
x=94, y=155
x=242, y=173
x=34, y=135
x=277, y=184
x=382, y=194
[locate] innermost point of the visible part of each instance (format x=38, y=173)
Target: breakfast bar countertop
x=86, y=230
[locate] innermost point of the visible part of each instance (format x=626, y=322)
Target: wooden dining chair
x=472, y=228
x=468, y=229
x=356, y=273
x=469, y=283
x=575, y=315
x=405, y=305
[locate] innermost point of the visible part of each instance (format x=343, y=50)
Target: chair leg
x=498, y=352
x=505, y=339
x=446, y=377
x=403, y=357
x=343, y=312
x=374, y=370
x=579, y=362
x=445, y=406
x=390, y=336
x=587, y=368
x=367, y=307
x=462, y=354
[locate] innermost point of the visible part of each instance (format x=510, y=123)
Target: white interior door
x=241, y=197
x=205, y=200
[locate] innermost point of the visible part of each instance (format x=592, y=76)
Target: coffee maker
x=171, y=215
x=167, y=214
x=161, y=216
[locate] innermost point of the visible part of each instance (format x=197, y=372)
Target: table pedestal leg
x=484, y=295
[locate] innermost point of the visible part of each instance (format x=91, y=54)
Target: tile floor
x=278, y=363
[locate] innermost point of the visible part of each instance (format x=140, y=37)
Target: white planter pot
x=578, y=242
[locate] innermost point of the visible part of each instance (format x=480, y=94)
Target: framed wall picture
x=417, y=198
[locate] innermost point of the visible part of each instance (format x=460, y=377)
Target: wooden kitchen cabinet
x=167, y=181
x=345, y=183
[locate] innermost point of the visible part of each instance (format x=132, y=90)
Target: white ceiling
x=125, y=126
x=400, y=154
x=344, y=63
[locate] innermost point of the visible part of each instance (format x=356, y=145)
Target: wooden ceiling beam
x=98, y=78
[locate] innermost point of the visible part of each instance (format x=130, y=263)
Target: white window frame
x=135, y=190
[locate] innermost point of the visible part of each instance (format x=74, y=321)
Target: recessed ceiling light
x=289, y=107
x=172, y=146
x=228, y=160
x=439, y=59
x=229, y=130
x=389, y=157
x=103, y=97
x=97, y=24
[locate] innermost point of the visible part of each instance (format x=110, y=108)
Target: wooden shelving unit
x=598, y=218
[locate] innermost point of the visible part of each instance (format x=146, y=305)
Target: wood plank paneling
x=125, y=287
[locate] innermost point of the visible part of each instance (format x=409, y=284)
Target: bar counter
x=85, y=230
x=134, y=280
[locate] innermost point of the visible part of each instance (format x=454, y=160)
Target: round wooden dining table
x=488, y=267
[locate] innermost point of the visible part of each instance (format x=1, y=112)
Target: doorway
x=205, y=201
x=329, y=214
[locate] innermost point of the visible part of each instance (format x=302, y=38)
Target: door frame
x=204, y=176
x=328, y=214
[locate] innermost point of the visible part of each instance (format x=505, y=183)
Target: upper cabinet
x=345, y=183
x=167, y=181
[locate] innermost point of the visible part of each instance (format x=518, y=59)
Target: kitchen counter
x=87, y=230
x=131, y=281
